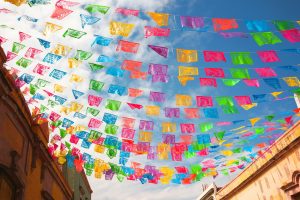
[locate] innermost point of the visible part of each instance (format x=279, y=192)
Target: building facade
x=274, y=176
x=27, y=171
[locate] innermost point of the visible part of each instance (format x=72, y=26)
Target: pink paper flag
x=60, y=13
x=157, y=96
x=204, y=101
x=127, y=122
x=127, y=12
x=163, y=51
x=251, y=82
x=187, y=128
x=172, y=112
x=158, y=69
x=94, y=100
x=94, y=123
x=214, y=56
x=54, y=116
x=192, y=113
x=214, y=72
x=64, y=3
x=208, y=82
x=126, y=46
x=32, y=52
x=159, y=32
x=134, y=106
x=243, y=100
x=268, y=56
x=160, y=78
x=128, y=133
x=292, y=35
x=265, y=72
x=23, y=36
x=131, y=65
x=2, y=40
x=133, y=92
x=41, y=69
x=10, y=55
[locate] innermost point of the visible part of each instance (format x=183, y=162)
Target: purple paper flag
x=163, y=51
x=192, y=22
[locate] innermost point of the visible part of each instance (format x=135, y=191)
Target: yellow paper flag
x=120, y=28
x=187, y=71
x=292, y=81
x=254, y=120
x=145, y=136
x=276, y=94
x=184, y=79
x=168, y=127
x=183, y=100
x=73, y=63
x=58, y=88
x=16, y=2
x=161, y=19
x=187, y=56
x=51, y=28
x=76, y=78
x=227, y=152
x=76, y=107
x=62, y=50
x=152, y=110
x=249, y=106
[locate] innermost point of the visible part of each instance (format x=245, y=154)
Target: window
x=6, y=187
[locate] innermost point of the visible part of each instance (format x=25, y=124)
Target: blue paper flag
x=103, y=41
x=27, y=78
x=257, y=25
x=117, y=89
x=67, y=123
x=88, y=20
x=59, y=99
x=113, y=71
x=104, y=58
x=44, y=43
x=272, y=82
x=109, y=118
x=28, y=18
x=79, y=115
x=77, y=94
x=51, y=58
x=211, y=113
x=57, y=74
x=38, y=96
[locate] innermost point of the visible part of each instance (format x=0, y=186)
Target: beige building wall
x=275, y=177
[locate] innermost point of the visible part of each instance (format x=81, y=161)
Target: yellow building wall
x=267, y=185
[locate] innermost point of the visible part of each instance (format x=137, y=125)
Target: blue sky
x=242, y=10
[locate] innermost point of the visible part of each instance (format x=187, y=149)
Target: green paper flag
x=225, y=172
x=237, y=150
x=219, y=135
x=92, y=111
x=230, y=82
x=262, y=38
x=56, y=123
x=94, y=135
x=95, y=67
x=230, y=109
x=115, y=168
x=17, y=47
x=120, y=177
x=93, y=8
x=111, y=152
x=241, y=58
x=296, y=91
x=204, y=127
x=52, y=103
x=225, y=101
x=113, y=105
x=196, y=169
x=96, y=85
x=74, y=33
x=83, y=55
x=111, y=129
x=43, y=108
x=33, y=89
x=259, y=130
x=269, y=117
x=62, y=133
x=284, y=25
x=41, y=83
x=188, y=154
x=240, y=73
x=23, y=62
